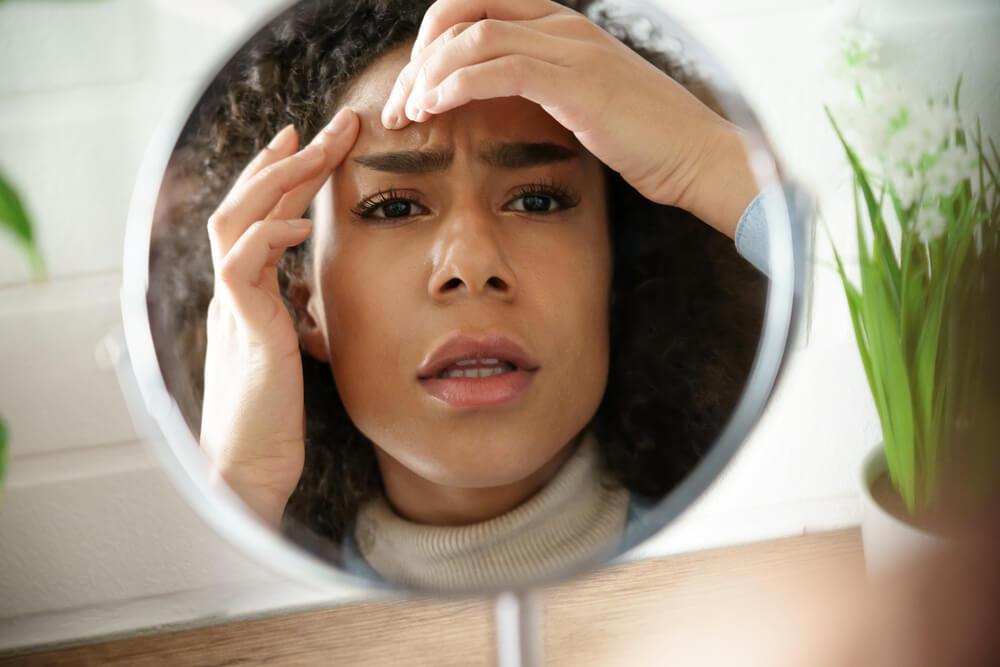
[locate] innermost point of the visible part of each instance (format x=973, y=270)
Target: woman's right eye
x=388, y=205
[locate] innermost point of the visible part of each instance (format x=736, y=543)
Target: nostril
x=496, y=282
x=454, y=282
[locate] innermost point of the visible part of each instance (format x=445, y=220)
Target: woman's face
x=471, y=240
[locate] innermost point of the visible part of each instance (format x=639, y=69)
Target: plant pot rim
x=872, y=466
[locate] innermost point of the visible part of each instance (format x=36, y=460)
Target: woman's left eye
x=536, y=203
x=543, y=198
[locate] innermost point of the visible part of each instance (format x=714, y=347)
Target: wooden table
x=586, y=621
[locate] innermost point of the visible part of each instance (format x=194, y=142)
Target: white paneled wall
x=94, y=539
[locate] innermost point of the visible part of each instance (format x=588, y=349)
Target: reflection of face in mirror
x=626, y=328
x=401, y=262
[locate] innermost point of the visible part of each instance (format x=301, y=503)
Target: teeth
x=474, y=372
x=469, y=362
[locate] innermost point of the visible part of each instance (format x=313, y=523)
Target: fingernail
x=412, y=110
x=389, y=115
x=299, y=222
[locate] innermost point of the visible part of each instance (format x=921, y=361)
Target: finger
x=254, y=199
x=392, y=113
x=445, y=13
x=487, y=40
x=338, y=138
x=570, y=25
x=249, y=269
x=507, y=76
x=284, y=143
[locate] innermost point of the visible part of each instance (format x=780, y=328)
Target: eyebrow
x=507, y=155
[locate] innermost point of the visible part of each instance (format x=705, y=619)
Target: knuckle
x=217, y=221
x=481, y=33
x=584, y=26
x=228, y=271
x=257, y=228
x=459, y=80
x=267, y=173
x=521, y=63
x=453, y=32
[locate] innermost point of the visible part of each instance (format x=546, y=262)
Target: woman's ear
x=312, y=336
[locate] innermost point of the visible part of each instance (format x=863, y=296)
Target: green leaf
x=14, y=219
x=879, y=232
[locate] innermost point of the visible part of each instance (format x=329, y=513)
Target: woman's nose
x=469, y=260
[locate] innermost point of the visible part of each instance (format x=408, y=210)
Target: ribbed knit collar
x=577, y=516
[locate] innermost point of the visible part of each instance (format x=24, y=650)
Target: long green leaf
x=879, y=232
x=14, y=219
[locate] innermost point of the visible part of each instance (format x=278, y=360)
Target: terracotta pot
x=888, y=540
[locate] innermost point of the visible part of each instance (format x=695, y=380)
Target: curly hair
x=686, y=309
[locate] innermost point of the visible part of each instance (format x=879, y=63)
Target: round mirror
x=488, y=348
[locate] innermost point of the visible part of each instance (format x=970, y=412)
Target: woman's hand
x=253, y=415
x=634, y=118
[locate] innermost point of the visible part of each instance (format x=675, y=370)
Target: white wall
x=94, y=539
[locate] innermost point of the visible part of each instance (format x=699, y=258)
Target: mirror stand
x=517, y=618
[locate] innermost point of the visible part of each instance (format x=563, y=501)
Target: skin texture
x=386, y=292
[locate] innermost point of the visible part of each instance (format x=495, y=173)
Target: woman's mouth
x=473, y=368
x=471, y=383
x=469, y=371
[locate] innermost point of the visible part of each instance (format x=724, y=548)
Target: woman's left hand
x=665, y=142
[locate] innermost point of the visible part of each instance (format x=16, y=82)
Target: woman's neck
x=419, y=500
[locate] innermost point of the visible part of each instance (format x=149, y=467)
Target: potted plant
x=14, y=219
x=924, y=313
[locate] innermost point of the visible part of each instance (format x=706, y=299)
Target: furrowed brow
x=508, y=155
x=520, y=155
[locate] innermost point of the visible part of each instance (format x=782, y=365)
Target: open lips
x=469, y=357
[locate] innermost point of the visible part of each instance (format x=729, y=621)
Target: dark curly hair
x=686, y=309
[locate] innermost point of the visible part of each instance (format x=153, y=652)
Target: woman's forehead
x=467, y=126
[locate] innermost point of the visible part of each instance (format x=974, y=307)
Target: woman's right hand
x=253, y=414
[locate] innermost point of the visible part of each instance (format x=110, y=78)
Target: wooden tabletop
x=595, y=620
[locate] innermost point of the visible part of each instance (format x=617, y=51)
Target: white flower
x=908, y=185
x=929, y=224
x=951, y=168
x=917, y=134
x=859, y=48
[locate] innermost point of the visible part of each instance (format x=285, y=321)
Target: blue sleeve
x=752, y=234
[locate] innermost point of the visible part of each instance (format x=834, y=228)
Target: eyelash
x=563, y=195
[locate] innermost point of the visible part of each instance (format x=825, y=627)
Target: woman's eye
x=393, y=209
x=388, y=206
x=536, y=203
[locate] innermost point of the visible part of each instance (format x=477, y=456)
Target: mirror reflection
x=473, y=347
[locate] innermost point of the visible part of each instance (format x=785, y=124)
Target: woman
x=503, y=328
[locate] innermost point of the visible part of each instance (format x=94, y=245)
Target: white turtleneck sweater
x=577, y=517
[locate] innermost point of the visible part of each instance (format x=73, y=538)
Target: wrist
x=264, y=501
x=723, y=184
